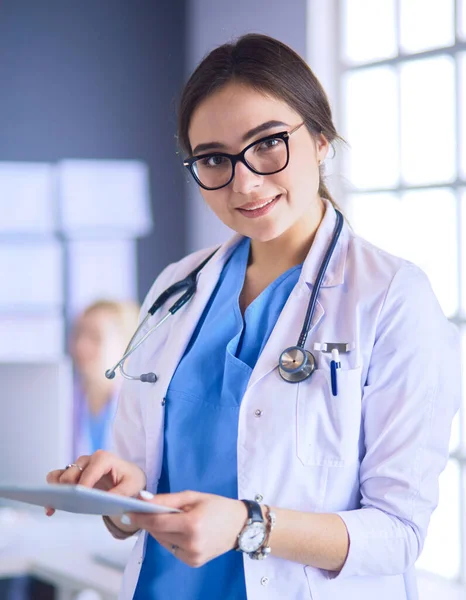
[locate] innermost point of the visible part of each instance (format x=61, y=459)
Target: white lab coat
x=373, y=454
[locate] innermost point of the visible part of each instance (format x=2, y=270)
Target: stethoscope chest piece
x=296, y=364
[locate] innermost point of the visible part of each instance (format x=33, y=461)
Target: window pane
x=104, y=196
x=101, y=270
x=462, y=123
x=32, y=275
x=362, y=43
x=430, y=232
x=371, y=127
x=30, y=337
x=441, y=554
x=462, y=19
x=26, y=198
x=426, y=24
x=427, y=121
x=463, y=252
x=407, y=228
x=376, y=217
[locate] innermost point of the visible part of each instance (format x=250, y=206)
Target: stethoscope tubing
x=318, y=282
x=304, y=367
x=130, y=350
x=189, y=283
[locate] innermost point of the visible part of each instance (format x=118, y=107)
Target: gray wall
x=99, y=79
x=211, y=23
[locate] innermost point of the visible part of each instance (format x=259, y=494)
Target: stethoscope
x=295, y=364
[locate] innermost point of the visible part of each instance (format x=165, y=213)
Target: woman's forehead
x=95, y=318
x=227, y=114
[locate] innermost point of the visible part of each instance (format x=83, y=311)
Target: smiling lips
x=253, y=210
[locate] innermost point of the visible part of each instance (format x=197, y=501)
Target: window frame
x=325, y=56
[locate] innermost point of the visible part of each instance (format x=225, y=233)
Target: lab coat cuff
x=116, y=532
x=358, y=545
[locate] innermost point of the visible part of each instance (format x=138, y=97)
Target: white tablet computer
x=36, y=407
x=80, y=499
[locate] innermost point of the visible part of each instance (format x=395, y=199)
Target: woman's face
x=95, y=344
x=225, y=119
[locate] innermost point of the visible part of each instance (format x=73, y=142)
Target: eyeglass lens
x=265, y=157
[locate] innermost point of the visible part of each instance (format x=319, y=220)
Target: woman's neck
x=291, y=248
x=97, y=393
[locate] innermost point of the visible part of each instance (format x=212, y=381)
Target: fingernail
x=125, y=520
x=146, y=495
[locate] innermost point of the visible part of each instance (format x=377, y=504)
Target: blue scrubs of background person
x=99, y=334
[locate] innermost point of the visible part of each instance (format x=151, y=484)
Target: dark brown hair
x=268, y=66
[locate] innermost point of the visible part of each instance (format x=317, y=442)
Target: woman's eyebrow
x=261, y=128
x=249, y=134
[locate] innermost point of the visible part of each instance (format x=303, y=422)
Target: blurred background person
x=98, y=340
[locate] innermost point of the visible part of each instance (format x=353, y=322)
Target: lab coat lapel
x=289, y=324
x=286, y=331
x=184, y=322
x=181, y=328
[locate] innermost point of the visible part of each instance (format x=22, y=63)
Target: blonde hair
x=125, y=314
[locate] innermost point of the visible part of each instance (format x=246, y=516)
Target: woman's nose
x=245, y=180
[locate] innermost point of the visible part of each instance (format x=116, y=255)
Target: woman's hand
x=208, y=526
x=103, y=471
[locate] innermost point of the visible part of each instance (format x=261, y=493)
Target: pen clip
x=342, y=347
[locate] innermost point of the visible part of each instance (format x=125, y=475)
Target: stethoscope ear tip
x=148, y=377
x=109, y=373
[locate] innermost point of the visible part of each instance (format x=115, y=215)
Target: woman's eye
x=269, y=144
x=213, y=161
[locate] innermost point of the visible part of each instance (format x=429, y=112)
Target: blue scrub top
x=201, y=425
x=98, y=426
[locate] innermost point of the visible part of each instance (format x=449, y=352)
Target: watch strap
x=254, y=511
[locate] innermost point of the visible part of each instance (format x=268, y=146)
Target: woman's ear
x=322, y=147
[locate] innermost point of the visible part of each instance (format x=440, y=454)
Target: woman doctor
x=340, y=470
x=99, y=336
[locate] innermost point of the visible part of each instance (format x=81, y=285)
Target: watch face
x=252, y=538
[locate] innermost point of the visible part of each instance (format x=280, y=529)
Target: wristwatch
x=254, y=532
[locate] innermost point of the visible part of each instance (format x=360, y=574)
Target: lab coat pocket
x=328, y=427
x=312, y=575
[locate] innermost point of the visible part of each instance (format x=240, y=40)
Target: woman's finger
x=99, y=464
x=171, y=523
x=73, y=473
x=179, y=500
x=179, y=547
x=173, y=545
x=54, y=476
x=174, y=538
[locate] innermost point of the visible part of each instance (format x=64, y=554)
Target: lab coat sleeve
x=410, y=397
x=128, y=433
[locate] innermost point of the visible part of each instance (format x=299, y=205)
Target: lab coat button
x=258, y=498
x=265, y=581
x=258, y=413
x=163, y=402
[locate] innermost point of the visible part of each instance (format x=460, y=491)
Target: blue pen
x=334, y=366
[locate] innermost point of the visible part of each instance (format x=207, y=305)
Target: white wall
x=209, y=24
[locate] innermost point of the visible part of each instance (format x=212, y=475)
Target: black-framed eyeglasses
x=266, y=156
